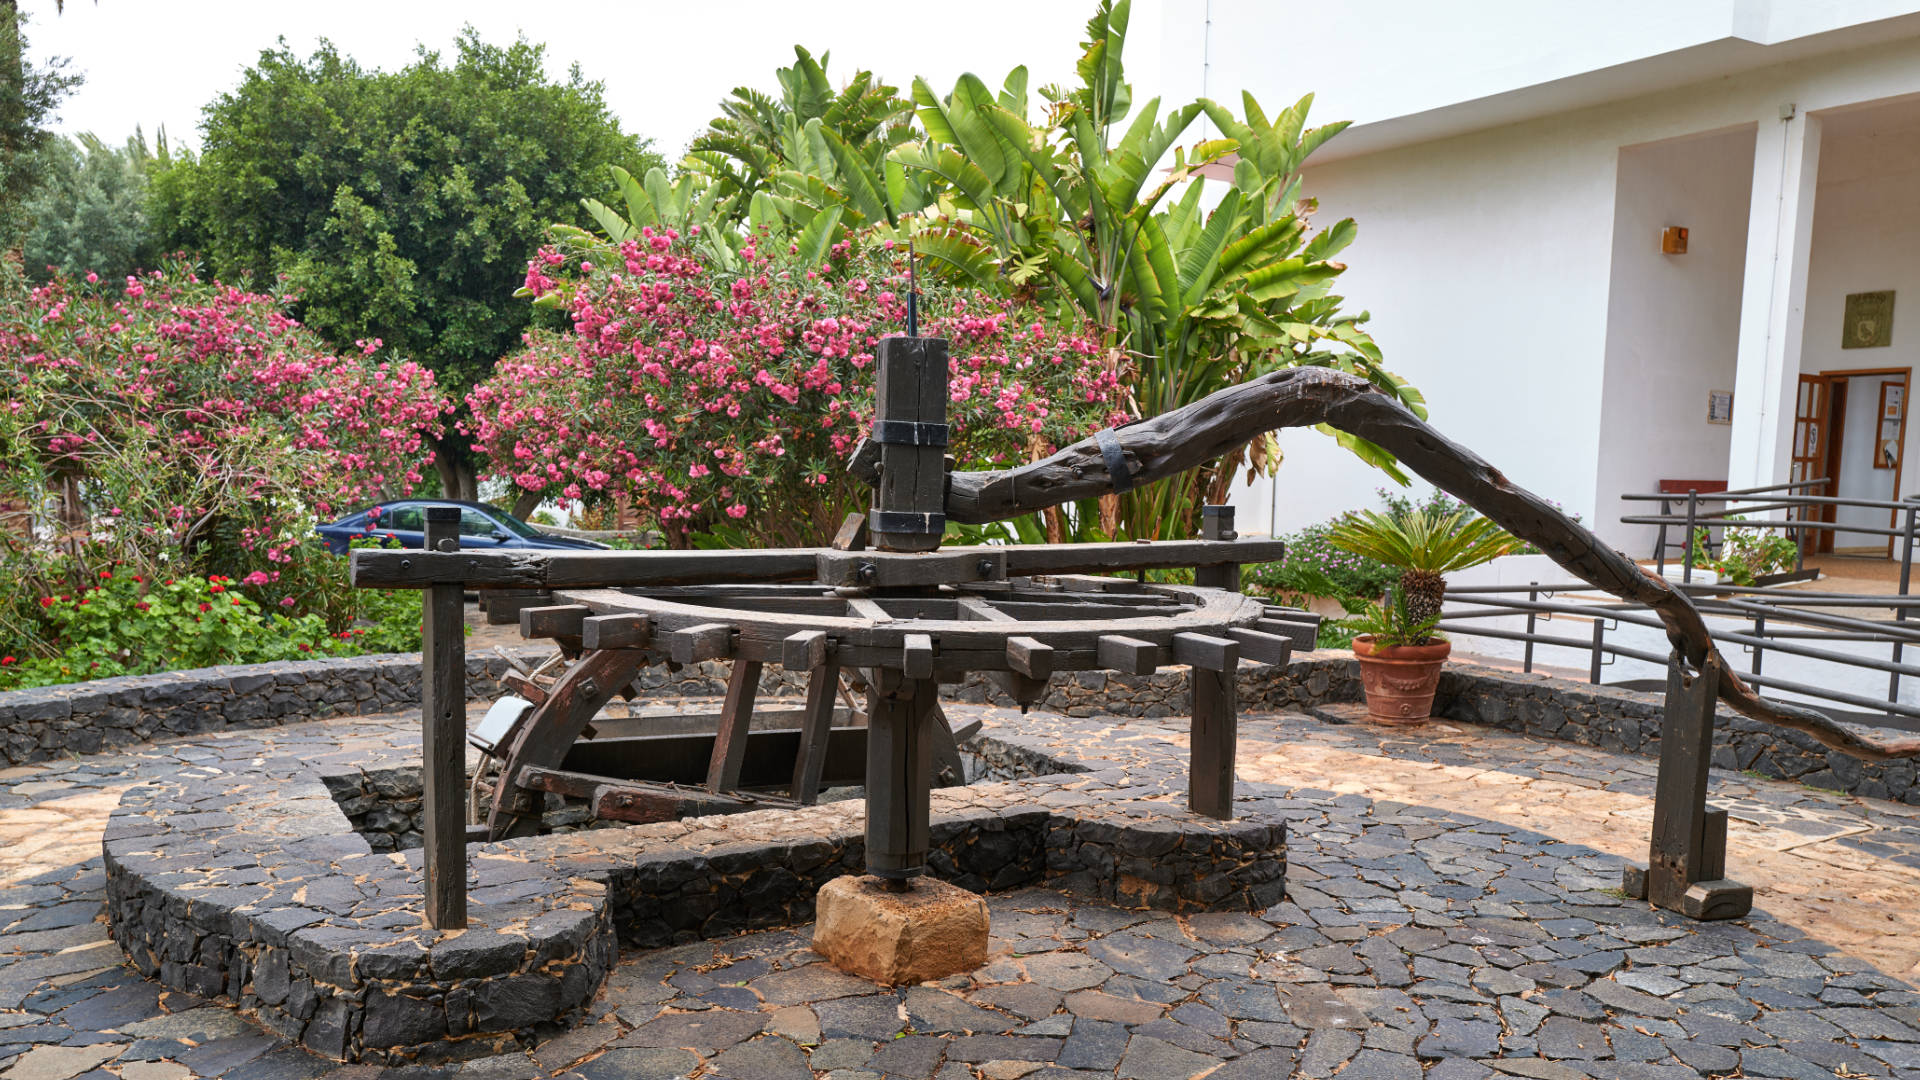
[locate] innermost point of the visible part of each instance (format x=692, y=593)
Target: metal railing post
x=1660, y=539
x=1900, y=613
x=1693, y=509
x=1759, y=631
x=1599, y=634
x=1533, y=595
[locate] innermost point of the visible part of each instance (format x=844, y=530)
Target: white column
x=1773, y=301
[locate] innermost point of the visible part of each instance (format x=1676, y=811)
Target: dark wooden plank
x=1129, y=655
x=736, y=719
x=823, y=687
x=1206, y=651
x=616, y=632
x=804, y=651
x=1260, y=647
x=892, y=570
x=916, y=656
x=1214, y=737
x=641, y=803
x=706, y=641
x=382, y=568
x=553, y=620
x=1031, y=658
x=1054, y=559
x=443, y=711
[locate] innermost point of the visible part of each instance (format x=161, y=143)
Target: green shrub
x=127, y=624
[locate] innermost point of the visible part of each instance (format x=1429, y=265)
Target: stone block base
x=929, y=932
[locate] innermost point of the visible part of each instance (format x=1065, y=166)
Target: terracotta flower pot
x=1400, y=681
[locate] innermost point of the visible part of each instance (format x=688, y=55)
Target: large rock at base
x=929, y=932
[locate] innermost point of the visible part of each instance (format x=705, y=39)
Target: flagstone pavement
x=1453, y=913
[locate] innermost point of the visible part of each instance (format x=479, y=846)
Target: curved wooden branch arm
x=1302, y=397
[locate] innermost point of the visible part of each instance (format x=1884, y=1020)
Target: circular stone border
x=254, y=888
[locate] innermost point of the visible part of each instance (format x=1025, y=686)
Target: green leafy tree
x=398, y=205
x=90, y=213
x=1071, y=211
x=29, y=95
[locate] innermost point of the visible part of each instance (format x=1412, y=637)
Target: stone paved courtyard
x=1453, y=912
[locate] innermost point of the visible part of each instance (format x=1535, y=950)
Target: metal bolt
x=985, y=567
x=406, y=564
x=866, y=572
x=589, y=688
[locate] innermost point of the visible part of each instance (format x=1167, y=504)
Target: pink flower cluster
x=704, y=395
x=212, y=377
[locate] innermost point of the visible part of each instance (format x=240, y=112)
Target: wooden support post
x=899, y=777
x=1212, y=682
x=1216, y=523
x=443, y=737
x=1687, y=858
x=736, y=719
x=910, y=427
x=823, y=686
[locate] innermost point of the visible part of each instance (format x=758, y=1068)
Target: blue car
x=482, y=527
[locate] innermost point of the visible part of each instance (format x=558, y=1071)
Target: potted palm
x=1400, y=655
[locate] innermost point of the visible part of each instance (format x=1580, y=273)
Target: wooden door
x=1812, y=458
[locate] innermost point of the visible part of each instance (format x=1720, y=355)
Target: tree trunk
x=1215, y=426
x=526, y=503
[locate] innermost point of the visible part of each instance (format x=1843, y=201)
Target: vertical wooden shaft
x=823, y=685
x=1214, y=738
x=443, y=716
x=910, y=427
x=899, y=778
x=1216, y=523
x=1680, y=836
x=736, y=718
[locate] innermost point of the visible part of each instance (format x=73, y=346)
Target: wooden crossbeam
x=616, y=632
x=706, y=641
x=1128, y=655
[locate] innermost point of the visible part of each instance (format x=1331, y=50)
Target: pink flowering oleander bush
x=177, y=428
x=728, y=401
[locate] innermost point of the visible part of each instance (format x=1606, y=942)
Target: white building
x=1512, y=167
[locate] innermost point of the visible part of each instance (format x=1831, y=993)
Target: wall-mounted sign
x=1719, y=406
x=1868, y=323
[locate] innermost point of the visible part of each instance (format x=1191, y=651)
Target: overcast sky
x=665, y=65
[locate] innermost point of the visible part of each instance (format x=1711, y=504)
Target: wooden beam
x=1128, y=655
x=616, y=632
x=823, y=687
x=804, y=651
x=1206, y=651
x=554, y=620
x=1031, y=658
x=1262, y=647
x=524, y=687
x=382, y=568
x=736, y=719
x=916, y=659
x=706, y=641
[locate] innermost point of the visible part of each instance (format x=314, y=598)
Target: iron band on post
x=909, y=433
x=897, y=521
x=1115, y=458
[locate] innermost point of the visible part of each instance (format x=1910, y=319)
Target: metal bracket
x=909, y=433
x=1115, y=458
x=903, y=521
